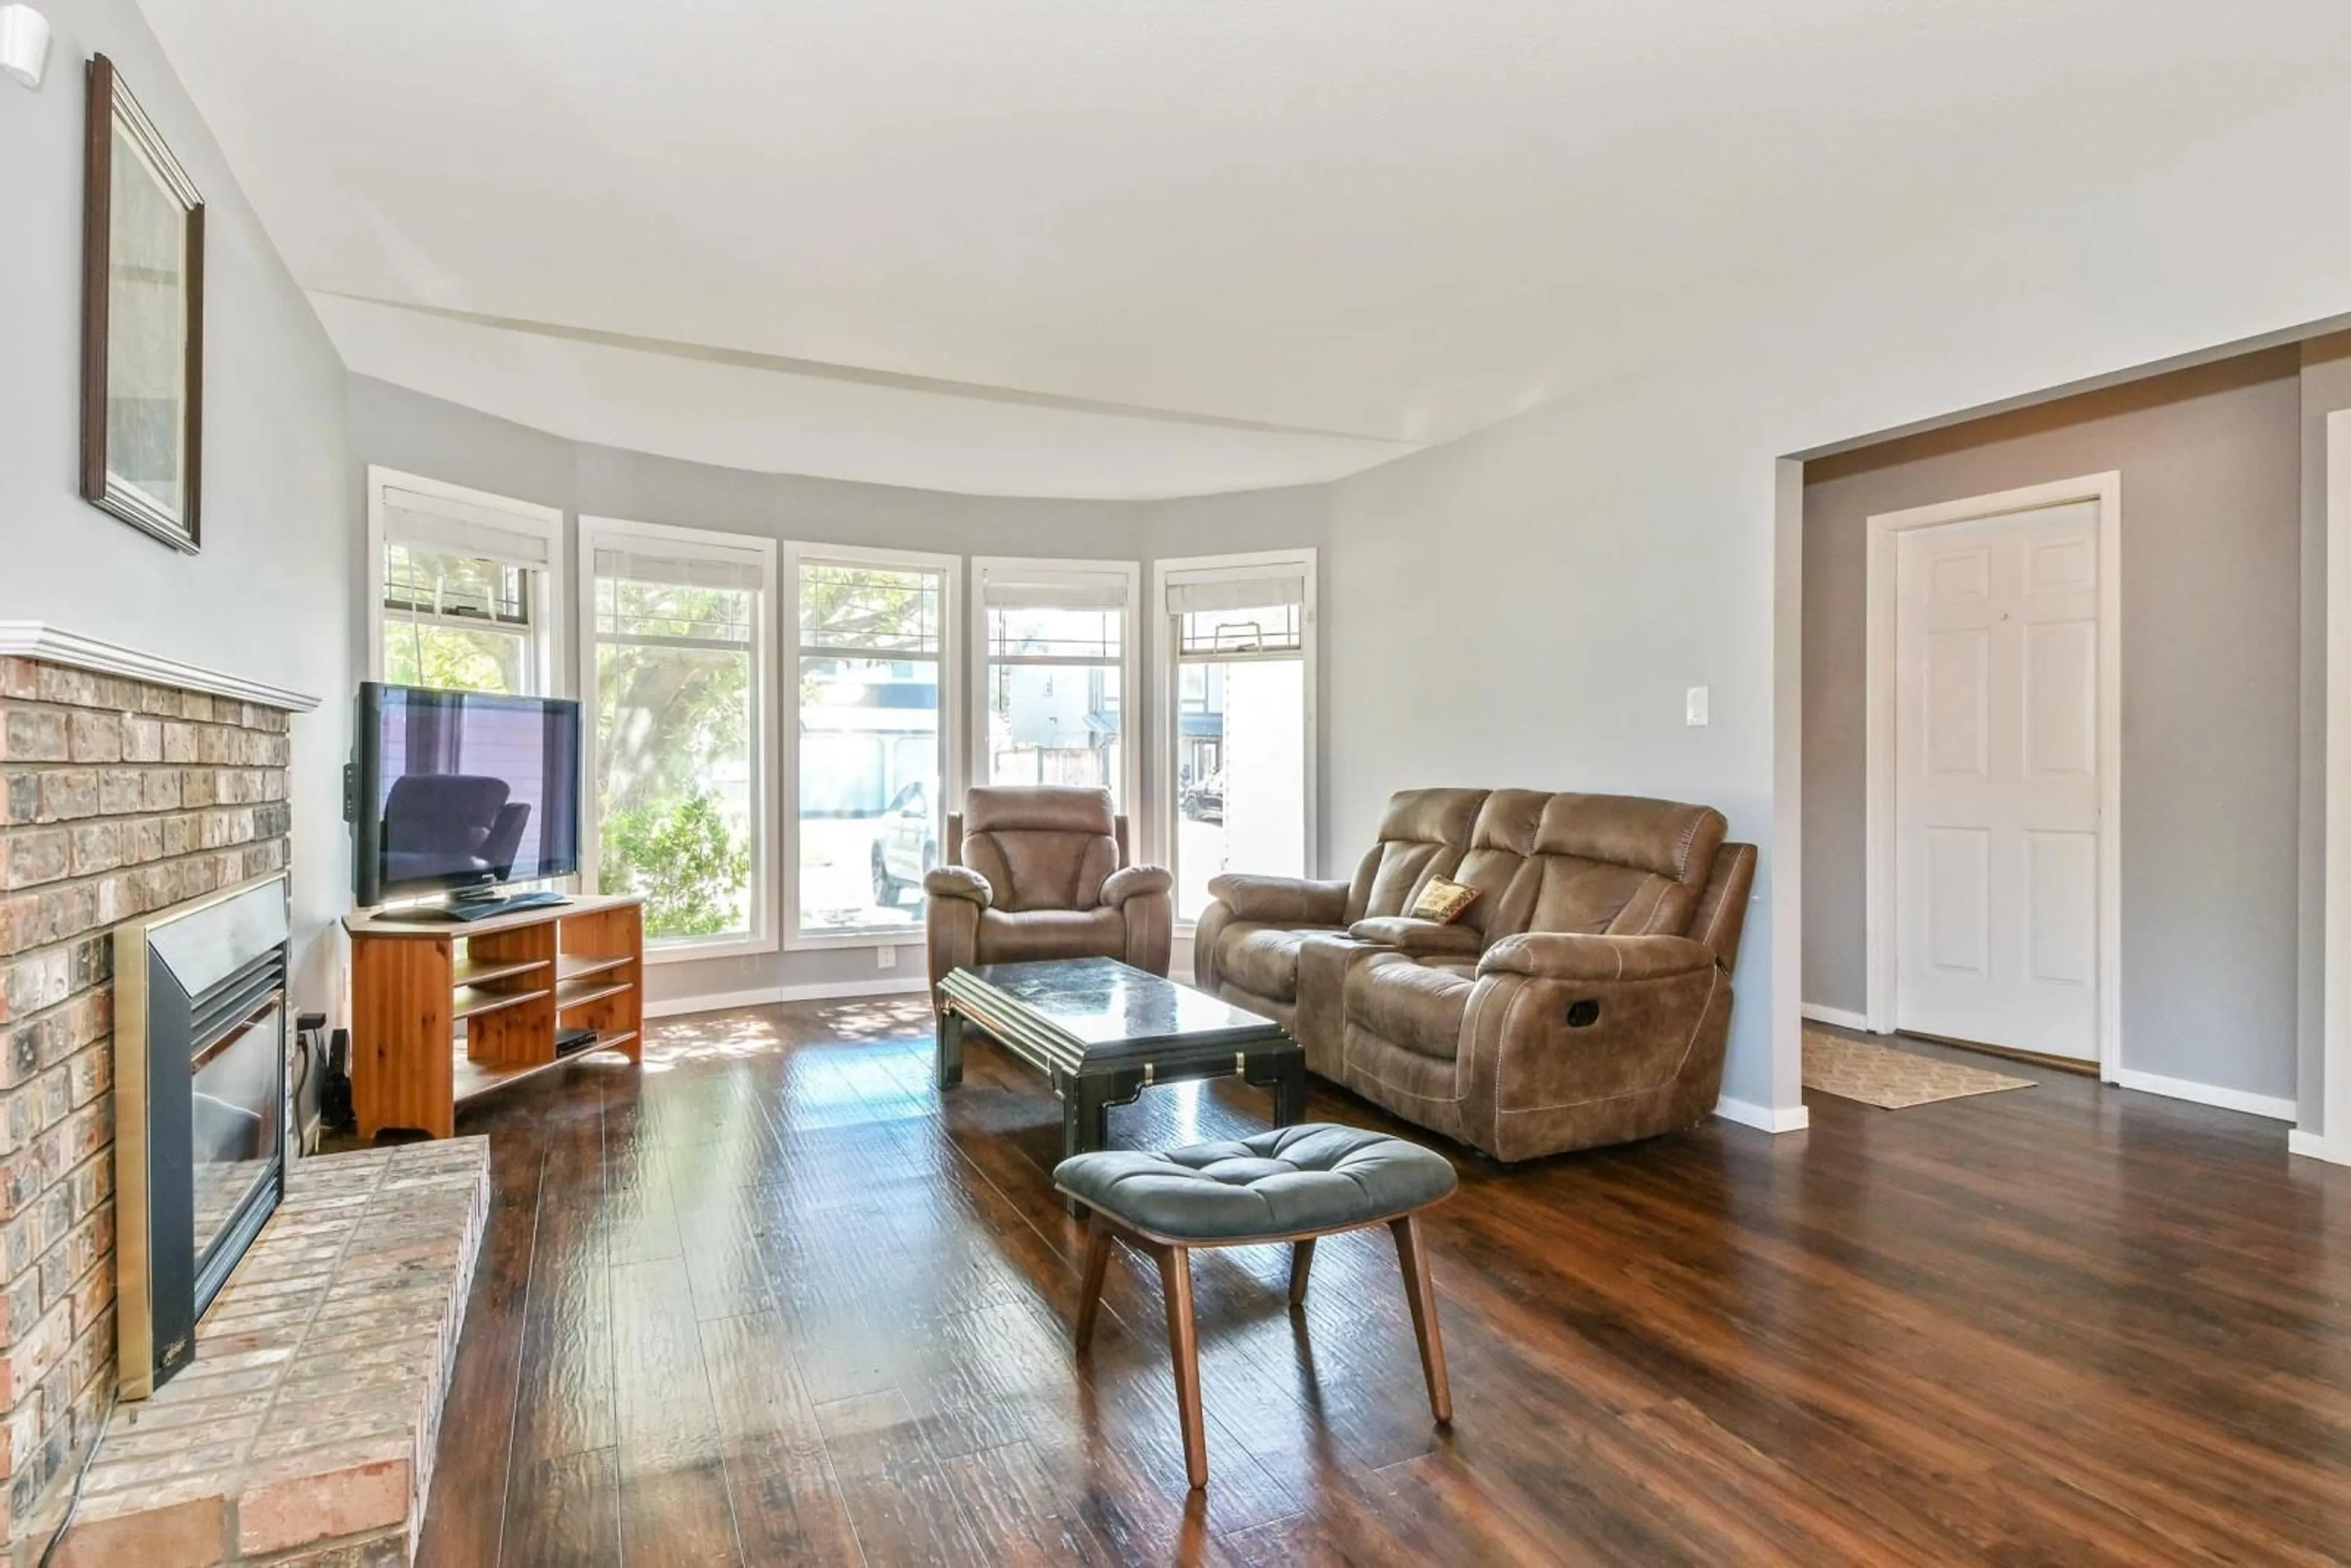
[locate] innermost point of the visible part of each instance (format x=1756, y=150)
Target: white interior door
x=1997, y=780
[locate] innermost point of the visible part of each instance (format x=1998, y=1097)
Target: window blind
x=682, y=571
x=1053, y=591
x=454, y=527
x=1256, y=591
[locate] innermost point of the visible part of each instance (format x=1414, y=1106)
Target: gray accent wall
x=2212, y=563
x=276, y=527
x=397, y=428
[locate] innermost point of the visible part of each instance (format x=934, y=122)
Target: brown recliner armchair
x=1041, y=872
x=1583, y=1000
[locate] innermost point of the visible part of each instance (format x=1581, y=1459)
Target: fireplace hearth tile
x=304, y=1431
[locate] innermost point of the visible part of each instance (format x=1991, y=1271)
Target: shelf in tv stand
x=576, y=966
x=469, y=971
x=469, y=1079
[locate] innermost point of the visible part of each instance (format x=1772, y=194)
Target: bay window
x=1238, y=769
x=871, y=738
x=464, y=597
x=683, y=734
x=1054, y=643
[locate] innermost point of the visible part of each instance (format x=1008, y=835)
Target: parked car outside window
x=1204, y=802
x=907, y=848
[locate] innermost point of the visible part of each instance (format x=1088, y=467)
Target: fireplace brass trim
x=135, y=1347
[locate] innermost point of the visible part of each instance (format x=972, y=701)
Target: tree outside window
x=455, y=624
x=676, y=677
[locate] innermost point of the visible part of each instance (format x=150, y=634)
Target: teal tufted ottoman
x=1293, y=1185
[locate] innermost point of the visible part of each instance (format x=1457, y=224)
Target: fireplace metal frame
x=162, y=1291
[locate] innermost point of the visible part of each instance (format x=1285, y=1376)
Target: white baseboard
x=767, y=996
x=1836, y=1016
x=2310, y=1146
x=1747, y=1113
x=2269, y=1105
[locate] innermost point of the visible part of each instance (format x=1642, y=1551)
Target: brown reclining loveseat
x=1585, y=998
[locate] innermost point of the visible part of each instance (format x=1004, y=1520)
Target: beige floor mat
x=1891, y=1079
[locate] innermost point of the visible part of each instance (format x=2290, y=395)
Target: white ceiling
x=1144, y=247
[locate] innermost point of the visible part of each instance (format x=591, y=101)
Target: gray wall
x=2211, y=580
x=420, y=434
x=1525, y=607
x=276, y=525
x=2326, y=388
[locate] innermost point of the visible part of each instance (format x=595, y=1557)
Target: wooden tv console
x=511, y=980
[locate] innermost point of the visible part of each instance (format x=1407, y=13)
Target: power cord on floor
x=73, y=1500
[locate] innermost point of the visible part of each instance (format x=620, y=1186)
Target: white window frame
x=1168, y=674
x=951, y=724
x=547, y=598
x=1134, y=740
x=768, y=854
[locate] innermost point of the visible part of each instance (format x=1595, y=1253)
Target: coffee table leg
x=1074, y=1120
x=1085, y=1118
x=1286, y=1078
x=1094, y=1096
x=950, y=1050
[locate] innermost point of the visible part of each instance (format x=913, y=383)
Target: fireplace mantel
x=53, y=644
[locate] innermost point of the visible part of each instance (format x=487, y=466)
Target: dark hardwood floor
x=770, y=1301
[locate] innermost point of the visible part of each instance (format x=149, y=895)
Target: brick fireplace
x=118, y=796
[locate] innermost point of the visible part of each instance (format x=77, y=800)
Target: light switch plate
x=1694, y=706
x=885, y=957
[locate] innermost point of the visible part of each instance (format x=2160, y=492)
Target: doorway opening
x=1994, y=771
x=2058, y=720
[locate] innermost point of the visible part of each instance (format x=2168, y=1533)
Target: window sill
x=886, y=937
x=658, y=951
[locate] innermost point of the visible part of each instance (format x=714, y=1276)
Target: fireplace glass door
x=236, y=1128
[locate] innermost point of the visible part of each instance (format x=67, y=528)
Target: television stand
x=440, y=1013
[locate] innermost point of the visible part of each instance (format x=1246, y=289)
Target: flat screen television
x=458, y=792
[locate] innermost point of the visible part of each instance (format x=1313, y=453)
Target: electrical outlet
x=885, y=957
x=1694, y=706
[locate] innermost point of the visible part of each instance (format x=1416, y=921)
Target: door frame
x=2332, y=1140
x=1886, y=531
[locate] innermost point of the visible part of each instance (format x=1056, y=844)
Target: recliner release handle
x=1583, y=1014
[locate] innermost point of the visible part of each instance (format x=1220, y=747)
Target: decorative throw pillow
x=1443, y=899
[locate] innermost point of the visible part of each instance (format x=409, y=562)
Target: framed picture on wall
x=142, y=341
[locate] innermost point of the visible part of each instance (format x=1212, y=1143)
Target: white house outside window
x=1240, y=757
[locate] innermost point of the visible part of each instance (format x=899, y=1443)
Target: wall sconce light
x=24, y=44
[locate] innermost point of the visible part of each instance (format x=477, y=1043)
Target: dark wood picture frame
x=174, y=519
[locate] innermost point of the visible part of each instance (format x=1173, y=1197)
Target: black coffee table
x=1103, y=1033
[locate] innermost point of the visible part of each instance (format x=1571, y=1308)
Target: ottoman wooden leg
x=1301, y=1258
x=1098, y=1239
x=1412, y=1254
x=1184, y=1345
